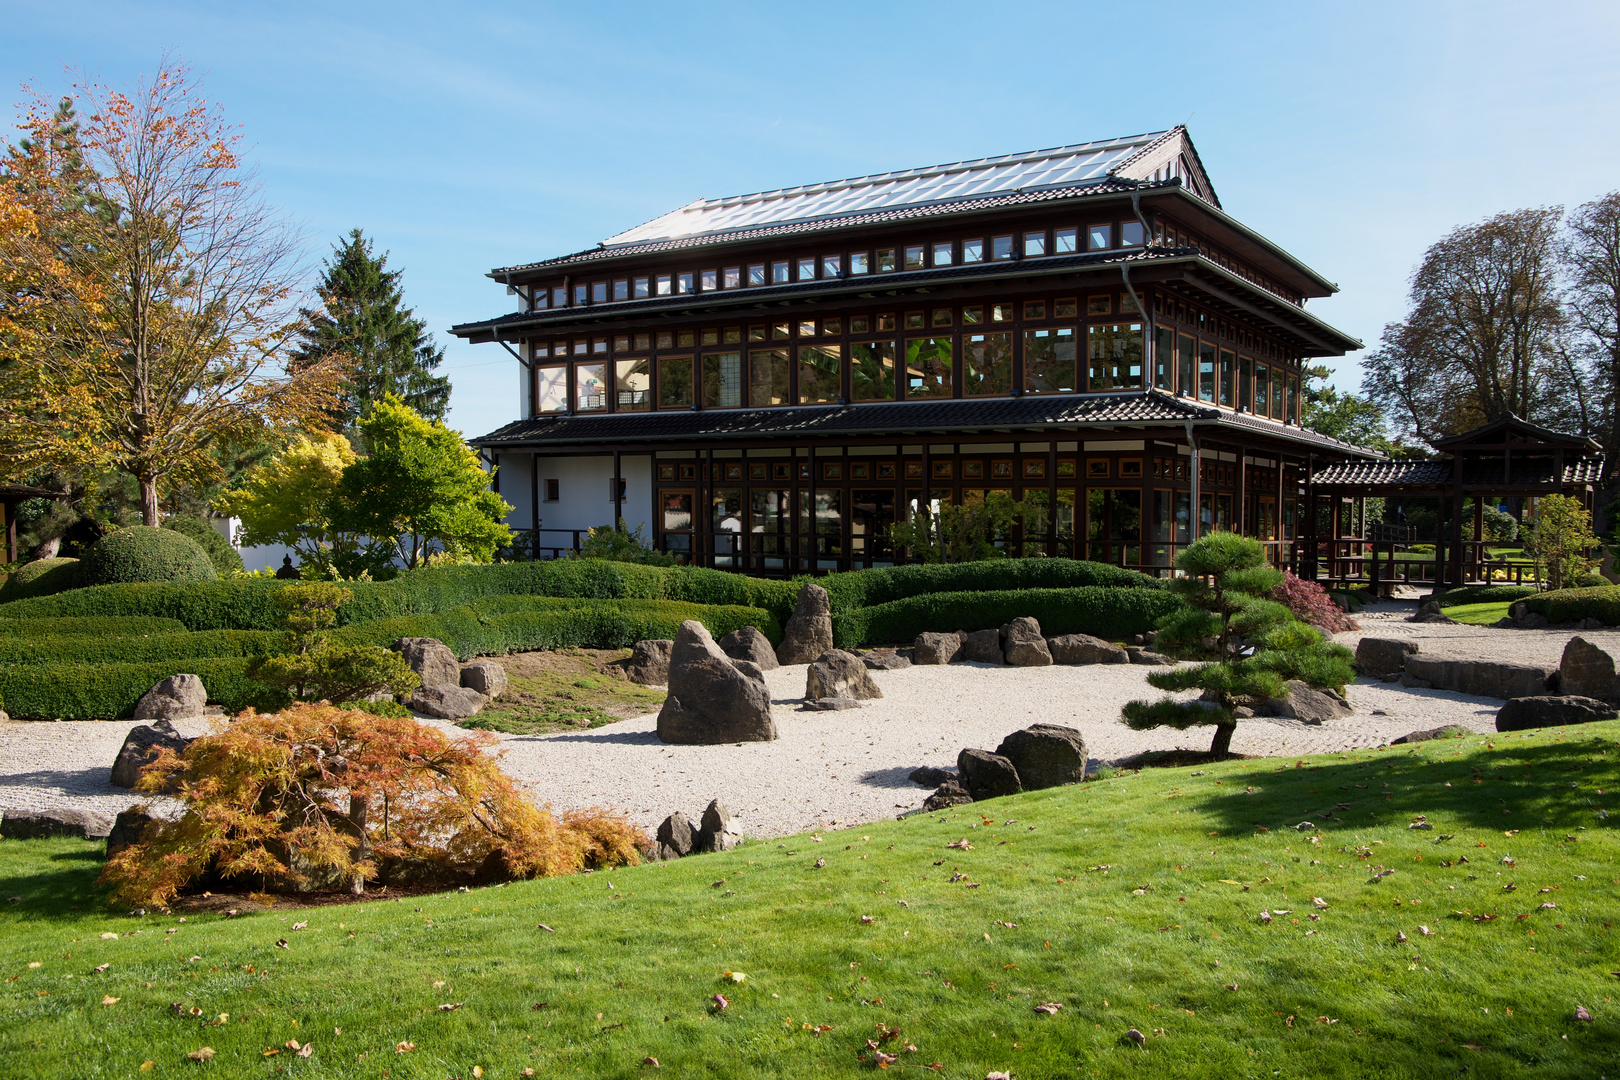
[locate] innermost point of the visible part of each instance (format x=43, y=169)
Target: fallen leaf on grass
x=450, y=1008
x=1581, y=1013
x=1050, y=1008
x=649, y=1060
x=734, y=976
x=110, y=1000
x=961, y=844
x=148, y=1065
x=102, y=968
x=1136, y=1037
x=404, y=1047
x=308, y=1049
x=1319, y=902
x=281, y=943
x=1231, y=986
x=205, y=1053
x=478, y=1072
x=300, y=925
x=109, y=936
x=720, y=1002
x=270, y=1051
x=547, y=929
x=883, y=1060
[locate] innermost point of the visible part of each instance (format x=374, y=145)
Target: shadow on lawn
x=1522, y=787
x=54, y=884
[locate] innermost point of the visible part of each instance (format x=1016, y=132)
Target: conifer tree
x=363, y=319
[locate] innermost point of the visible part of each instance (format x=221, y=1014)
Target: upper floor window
x=807, y=269
x=1100, y=237
x=914, y=257
x=580, y=295
x=779, y=272
x=559, y=297
x=756, y=274
x=1001, y=247
x=1064, y=241
x=621, y=289
x=550, y=389
x=731, y=277
x=832, y=266
x=973, y=250
x=643, y=288
x=859, y=262
x=710, y=280
x=1035, y=243
x=944, y=253
x=599, y=292
x=683, y=284
x=1130, y=234
x=665, y=284
x=885, y=260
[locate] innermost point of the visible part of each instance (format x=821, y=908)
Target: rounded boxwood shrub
x=143, y=553
x=225, y=558
x=42, y=577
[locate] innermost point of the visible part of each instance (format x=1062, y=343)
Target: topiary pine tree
x=363, y=317
x=1253, y=645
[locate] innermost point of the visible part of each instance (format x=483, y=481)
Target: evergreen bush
x=868, y=588
x=115, y=626
x=42, y=577
x=1106, y=612
x=1573, y=605
x=225, y=559
x=144, y=553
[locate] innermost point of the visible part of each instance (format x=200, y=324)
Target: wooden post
x=1051, y=498
x=614, y=521
x=534, y=505
x=1479, y=536
x=1440, y=547
x=1457, y=532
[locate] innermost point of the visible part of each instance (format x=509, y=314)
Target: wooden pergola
x=10, y=496
x=1505, y=458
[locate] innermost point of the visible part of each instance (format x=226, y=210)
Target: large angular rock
x=447, y=702
x=1481, y=678
x=932, y=648
x=141, y=748
x=676, y=838
x=839, y=674
x=431, y=659
x=949, y=793
x=1305, y=703
x=1085, y=649
x=1378, y=657
x=179, y=697
x=986, y=775
x=714, y=829
x=1139, y=654
x=1551, y=710
x=710, y=701
x=36, y=824
x=1022, y=644
x=930, y=775
x=983, y=647
x=885, y=661
x=1045, y=755
x=750, y=644
x=126, y=829
x=648, y=663
x=809, y=630
x=1587, y=671
x=485, y=676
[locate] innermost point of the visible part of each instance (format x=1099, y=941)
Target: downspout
x=1195, y=524
x=1149, y=345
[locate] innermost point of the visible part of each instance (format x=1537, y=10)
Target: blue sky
x=463, y=137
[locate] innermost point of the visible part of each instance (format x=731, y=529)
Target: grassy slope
x=1127, y=897
x=1480, y=614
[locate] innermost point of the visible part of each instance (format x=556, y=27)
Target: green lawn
x=1479, y=614
x=1132, y=902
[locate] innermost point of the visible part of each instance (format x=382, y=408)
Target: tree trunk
x=357, y=817
x=150, y=515
x=1220, y=747
x=47, y=550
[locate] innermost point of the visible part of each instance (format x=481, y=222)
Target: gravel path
x=849, y=767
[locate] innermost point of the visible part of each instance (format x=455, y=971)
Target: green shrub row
x=1109, y=613
x=120, y=626
x=1485, y=594
x=869, y=588
x=1572, y=605
x=234, y=604
x=42, y=577
x=183, y=645
x=101, y=691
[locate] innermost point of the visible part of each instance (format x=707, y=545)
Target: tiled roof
x=1389, y=471
x=1589, y=471
x=1439, y=471
x=1280, y=430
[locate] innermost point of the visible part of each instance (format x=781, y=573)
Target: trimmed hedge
x=103, y=691
x=1572, y=605
x=1109, y=613
x=869, y=588
x=236, y=604
x=145, y=553
x=111, y=626
x=42, y=577
x=225, y=559
x=181, y=647
x=1485, y=594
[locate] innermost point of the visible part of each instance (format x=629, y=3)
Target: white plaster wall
x=513, y=475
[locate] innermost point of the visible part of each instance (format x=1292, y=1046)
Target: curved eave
x=1328, y=288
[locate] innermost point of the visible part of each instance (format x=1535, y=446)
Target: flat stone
x=986, y=775
x=1304, y=703
x=1482, y=678
x=750, y=644
x=141, y=748
x=179, y=697
x=831, y=704
x=1045, y=755
x=948, y=794
x=710, y=701
x=838, y=673
x=1148, y=657
x=126, y=829
x=38, y=824
x=447, y=702
x=649, y=662
x=983, y=647
x=1085, y=649
x=485, y=676
x=932, y=648
x=1378, y=657
x=1550, y=710
x=1022, y=644
x=431, y=659
x=1586, y=671
x=809, y=630
x=676, y=834
x=931, y=776
x=1444, y=732
x=885, y=661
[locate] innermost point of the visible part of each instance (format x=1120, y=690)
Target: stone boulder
x=983, y=647
x=486, y=677
x=885, y=661
x=1482, y=678
x=1551, y=710
x=931, y=775
x=809, y=630
x=1587, y=671
x=986, y=775
x=931, y=648
x=1022, y=644
x=37, y=824
x=710, y=701
x=1378, y=657
x=714, y=830
x=949, y=793
x=1140, y=655
x=447, y=702
x=839, y=674
x=1045, y=755
x=1085, y=649
x=1427, y=734
x=751, y=645
x=676, y=838
x=126, y=829
x=141, y=748
x=1429, y=612
x=1307, y=704
x=431, y=659
x=648, y=662
x=830, y=704
x=179, y=697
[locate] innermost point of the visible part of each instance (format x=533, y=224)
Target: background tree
x=1592, y=259
x=967, y=532
x=168, y=316
x=1341, y=415
x=287, y=501
x=364, y=320
x=1561, y=539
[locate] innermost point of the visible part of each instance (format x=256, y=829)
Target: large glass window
x=1245, y=395
x=820, y=374
x=675, y=382
x=1186, y=354
x=1228, y=377
x=590, y=387
x=621, y=289
x=1114, y=525
x=767, y=377
x=1116, y=356
x=930, y=364
x=832, y=266
x=633, y=385
x=1050, y=361
x=683, y=284
x=731, y=277
x=771, y=526
x=822, y=535
x=664, y=284
x=859, y=263
x=885, y=260
x=722, y=380
x=551, y=389
x=987, y=364
x=726, y=523
x=756, y=274
x=871, y=516
x=1164, y=357
x=1206, y=371
x=643, y=288
x=871, y=370
x=1262, y=390
x=973, y=250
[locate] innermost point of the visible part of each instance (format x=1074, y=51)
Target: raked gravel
x=845, y=768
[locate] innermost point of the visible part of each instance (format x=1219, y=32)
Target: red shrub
x=1310, y=603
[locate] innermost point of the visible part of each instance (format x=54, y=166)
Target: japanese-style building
x=765, y=381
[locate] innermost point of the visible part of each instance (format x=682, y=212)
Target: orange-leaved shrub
x=316, y=797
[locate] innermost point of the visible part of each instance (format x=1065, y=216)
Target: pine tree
x=363, y=317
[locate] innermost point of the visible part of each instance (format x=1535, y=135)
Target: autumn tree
x=139, y=338
x=288, y=501
x=386, y=348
